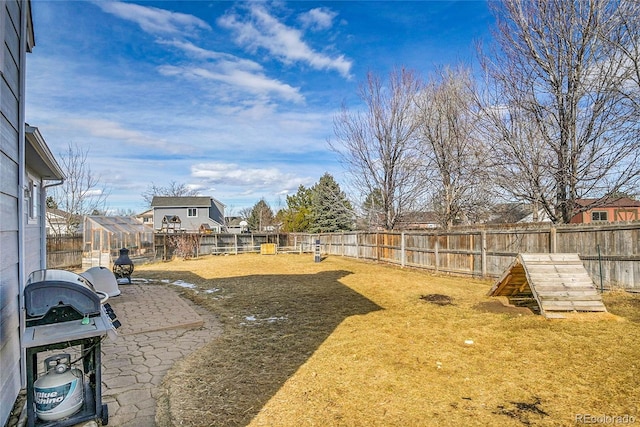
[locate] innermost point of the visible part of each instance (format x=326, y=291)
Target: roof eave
x=39, y=156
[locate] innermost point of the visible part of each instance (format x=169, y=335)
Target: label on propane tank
x=50, y=397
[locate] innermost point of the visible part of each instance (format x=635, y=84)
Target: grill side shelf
x=37, y=336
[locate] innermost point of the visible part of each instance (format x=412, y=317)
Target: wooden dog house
x=557, y=283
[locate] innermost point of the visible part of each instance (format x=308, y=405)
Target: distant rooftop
x=180, y=202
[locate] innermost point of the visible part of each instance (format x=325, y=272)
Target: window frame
x=32, y=199
x=599, y=215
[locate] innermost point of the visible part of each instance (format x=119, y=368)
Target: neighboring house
x=509, y=213
x=543, y=216
x=60, y=223
x=25, y=165
x=236, y=225
x=146, y=217
x=417, y=221
x=187, y=214
x=612, y=210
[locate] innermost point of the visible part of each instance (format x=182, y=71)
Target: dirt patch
x=524, y=412
x=437, y=299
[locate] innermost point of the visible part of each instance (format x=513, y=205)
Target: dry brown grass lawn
x=351, y=343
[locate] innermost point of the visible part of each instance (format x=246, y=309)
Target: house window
x=599, y=216
x=192, y=212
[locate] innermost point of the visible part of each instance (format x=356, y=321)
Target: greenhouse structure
x=104, y=236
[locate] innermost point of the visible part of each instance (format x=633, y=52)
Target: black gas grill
x=62, y=309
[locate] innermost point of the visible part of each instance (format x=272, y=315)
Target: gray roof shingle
x=180, y=202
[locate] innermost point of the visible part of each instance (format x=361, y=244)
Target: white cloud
x=240, y=73
x=100, y=128
x=231, y=174
x=320, y=18
x=201, y=53
x=262, y=30
x=154, y=20
x=225, y=72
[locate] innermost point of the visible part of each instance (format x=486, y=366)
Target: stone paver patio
x=158, y=328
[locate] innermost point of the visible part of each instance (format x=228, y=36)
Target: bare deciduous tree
x=456, y=159
x=558, y=69
x=379, y=146
x=625, y=39
x=520, y=158
x=80, y=194
x=174, y=189
x=185, y=245
x=245, y=213
x=372, y=214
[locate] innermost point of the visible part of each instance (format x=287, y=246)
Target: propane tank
x=58, y=393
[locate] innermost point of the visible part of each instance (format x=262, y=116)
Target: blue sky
x=235, y=99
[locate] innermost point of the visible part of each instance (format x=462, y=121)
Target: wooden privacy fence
x=610, y=252
x=64, y=251
x=213, y=244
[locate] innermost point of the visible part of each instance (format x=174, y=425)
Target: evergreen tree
x=261, y=216
x=331, y=211
x=296, y=217
x=51, y=203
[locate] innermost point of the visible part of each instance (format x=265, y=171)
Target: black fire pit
x=123, y=266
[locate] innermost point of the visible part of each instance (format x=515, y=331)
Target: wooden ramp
x=557, y=282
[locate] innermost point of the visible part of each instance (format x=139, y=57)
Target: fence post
x=402, y=252
x=552, y=239
x=437, y=255
x=164, y=247
x=483, y=257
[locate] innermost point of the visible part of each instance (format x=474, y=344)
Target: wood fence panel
x=64, y=251
x=64, y=259
x=611, y=252
x=367, y=246
x=512, y=243
x=350, y=247
x=420, y=250
x=390, y=247
x=456, y=253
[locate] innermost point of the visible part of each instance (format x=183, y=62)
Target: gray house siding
x=186, y=222
x=33, y=231
x=15, y=29
x=216, y=212
x=208, y=211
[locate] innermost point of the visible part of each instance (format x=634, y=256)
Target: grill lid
x=53, y=296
